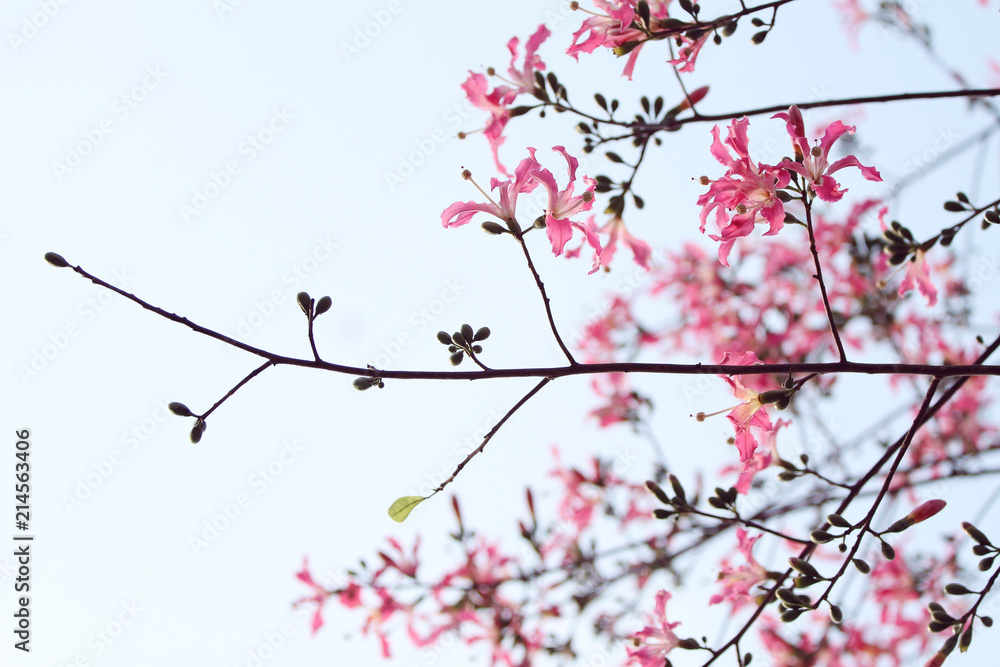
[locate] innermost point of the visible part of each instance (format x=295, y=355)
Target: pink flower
x=748, y=188
x=747, y=414
x=737, y=581
x=762, y=458
x=624, y=404
x=524, y=77
x=562, y=204
x=402, y=564
x=812, y=162
x=615, y=229
x=350, y=597
x=461, y=213
x=614, y=29
x=378, y=617
x=853, y=17
x=917, y=271
x=918, y=275
x=495, y=102
x=657, y=639
x=610, y=30
x=498, y=101
x=688, y=51
x=319, y=595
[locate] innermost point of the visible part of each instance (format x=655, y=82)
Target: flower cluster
x=738, y=583
x=481, y=599
x=752, y=192
x=621, y=27
x=562, y=204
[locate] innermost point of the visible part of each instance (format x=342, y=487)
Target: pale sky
x=216, y=158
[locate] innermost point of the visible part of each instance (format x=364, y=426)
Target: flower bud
x=56, y=260
x=180, y=409
x=305, y=303
x=323, y=305
x=926, y=511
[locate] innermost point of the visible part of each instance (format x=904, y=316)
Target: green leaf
x=401, y=509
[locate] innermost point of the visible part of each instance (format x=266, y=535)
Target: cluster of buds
x=463, y=342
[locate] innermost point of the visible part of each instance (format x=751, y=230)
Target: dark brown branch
x=850, y=367
x=847, y=101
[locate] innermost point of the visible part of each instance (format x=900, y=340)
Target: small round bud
x=180, y=409
x=361, y=384
x=198, y=431
x=836, y=615
x=305, y=303
x=56, y=260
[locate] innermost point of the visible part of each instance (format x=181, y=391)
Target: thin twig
x=493, y=431
x=545, y=299
x=819, y=276
x=260, y=369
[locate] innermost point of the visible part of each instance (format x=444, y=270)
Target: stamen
x=881, y=284
x=575, y=6
x=467, y=175
x=701, y=416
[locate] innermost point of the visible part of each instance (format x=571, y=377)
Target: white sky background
x=321, y=184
